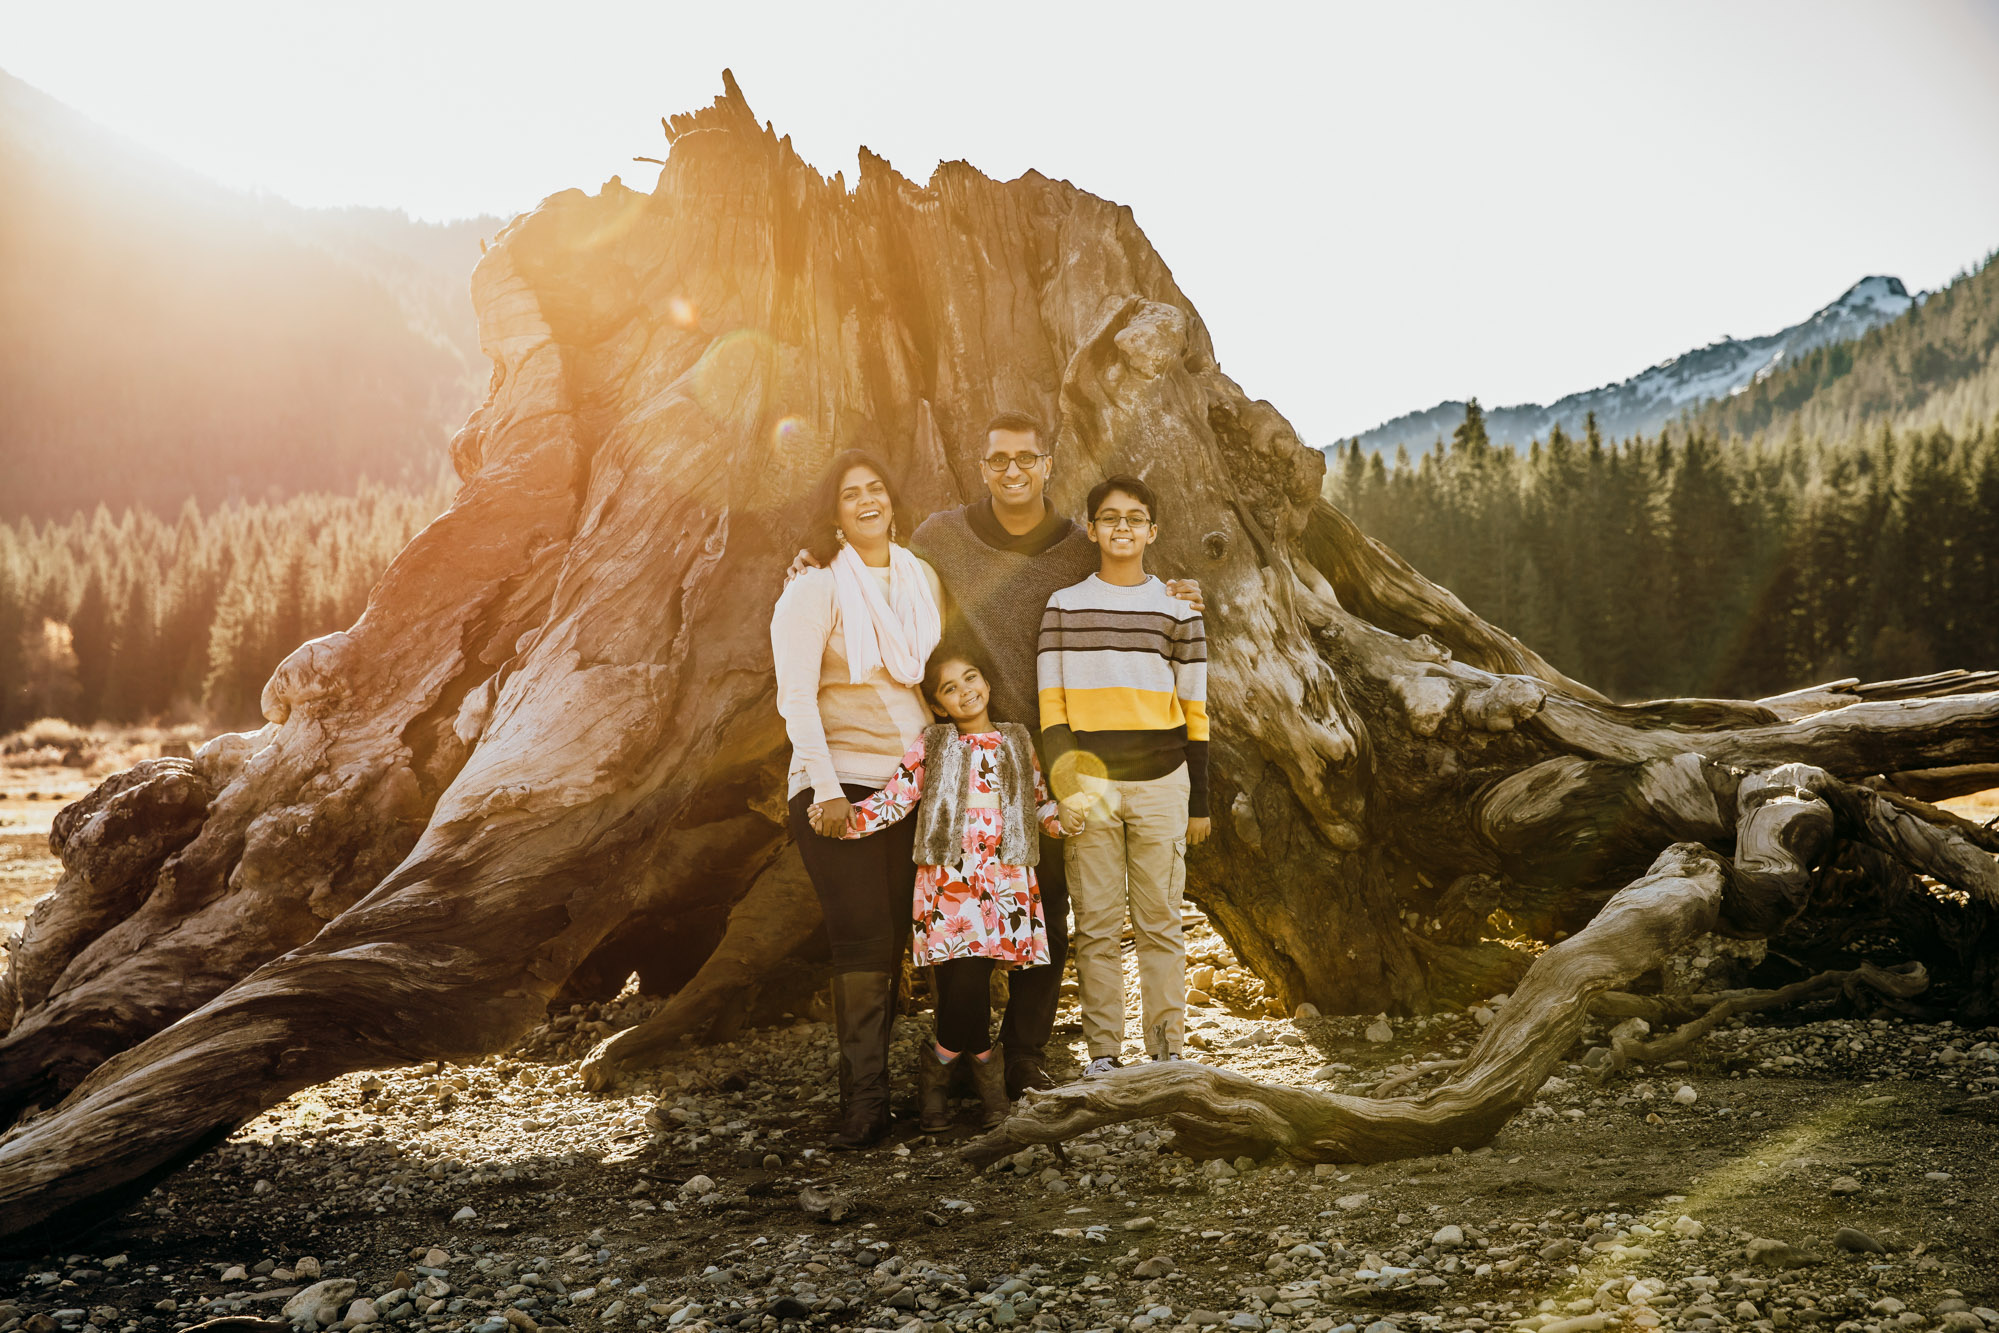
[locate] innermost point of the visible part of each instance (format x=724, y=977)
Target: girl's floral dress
x=981, y=907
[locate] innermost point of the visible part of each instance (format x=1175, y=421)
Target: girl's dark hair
x=952, y=648
x=823, y=511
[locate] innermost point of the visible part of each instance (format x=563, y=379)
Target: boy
x=1122, y=668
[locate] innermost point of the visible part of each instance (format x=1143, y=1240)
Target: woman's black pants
x=866, y=886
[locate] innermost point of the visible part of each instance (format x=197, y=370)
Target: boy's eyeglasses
x=1129, y=522
x=999, y=463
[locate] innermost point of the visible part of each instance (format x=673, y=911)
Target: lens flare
x=788, y=433
x=682, y=312
x=731, y=373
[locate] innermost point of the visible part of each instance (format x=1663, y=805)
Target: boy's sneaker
x=1170, y=1055
x=1102, y=1065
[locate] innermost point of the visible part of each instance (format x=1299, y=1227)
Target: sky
x=1374, y=207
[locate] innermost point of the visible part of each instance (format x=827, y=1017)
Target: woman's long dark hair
x=823, y=511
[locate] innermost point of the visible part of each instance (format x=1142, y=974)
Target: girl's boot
x=989, y=1077
x=933, y=1088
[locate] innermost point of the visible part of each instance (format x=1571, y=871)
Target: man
x=1000, y=560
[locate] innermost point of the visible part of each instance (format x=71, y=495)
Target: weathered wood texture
x=554, y=721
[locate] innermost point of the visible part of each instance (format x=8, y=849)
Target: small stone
x=1686, y=1228
x=1243, y=1165
x=1219, y=1169
x=1325, y=1169
x=1775, y=1253
x=1157, y=1266
x=1887, y=1305
x=1244, y=1319
x=1140, y=1224
x=1559, y=1249
x=234, y=1273
x=1305, y=1011
x=465, y=1214
x=306, y=1267
x=1203, y=1318
x=1383, y=1326
x=435, y=1257
x=696, y=1187
x=1349, y=1202
x=1380, y=1031
x=1855, y=1241
x=1845, y=1185
x=1685, y=1095
x=521, y=1320
x=1448, y=1237
x=902, y=1299
x=362, y=1311
x=322, y=1300
x=1197, y=996
x=772, y=1162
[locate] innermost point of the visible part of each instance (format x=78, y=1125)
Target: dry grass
x=41, y=750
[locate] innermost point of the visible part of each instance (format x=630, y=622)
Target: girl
x=977, y=905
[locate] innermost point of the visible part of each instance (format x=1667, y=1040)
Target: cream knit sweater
x=840, y=732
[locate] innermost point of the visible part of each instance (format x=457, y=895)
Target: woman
x=850, y=640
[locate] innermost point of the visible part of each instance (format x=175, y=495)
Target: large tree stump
x=554, y=720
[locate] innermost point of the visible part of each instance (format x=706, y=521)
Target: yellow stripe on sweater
x=1121, y=709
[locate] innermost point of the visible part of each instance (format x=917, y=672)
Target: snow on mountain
x=1650, y=399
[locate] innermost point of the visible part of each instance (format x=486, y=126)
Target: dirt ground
x=1803, y=1169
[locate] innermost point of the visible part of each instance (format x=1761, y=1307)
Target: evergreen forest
x=138, y=618
x=1682, y=565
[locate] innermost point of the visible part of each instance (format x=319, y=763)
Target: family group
x=996, y=725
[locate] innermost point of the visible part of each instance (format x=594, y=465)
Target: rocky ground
x=1800, y=1169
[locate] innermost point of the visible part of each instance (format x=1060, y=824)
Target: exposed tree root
x=779, y=913
x=1394, y=1082
x=1217, y=1113
x=1897, y=983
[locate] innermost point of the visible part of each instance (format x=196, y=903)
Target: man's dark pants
x=1032, y=992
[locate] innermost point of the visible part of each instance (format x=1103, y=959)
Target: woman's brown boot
x=863, y=1021
x=989, y=1077
x=933, y=1087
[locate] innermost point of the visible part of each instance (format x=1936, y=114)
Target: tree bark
x=554, y=721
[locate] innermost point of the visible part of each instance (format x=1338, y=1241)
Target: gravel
x=1825, y=1169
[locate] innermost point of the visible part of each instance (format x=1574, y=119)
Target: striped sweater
x=1123, y=675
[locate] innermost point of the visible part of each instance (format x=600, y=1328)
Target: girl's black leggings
x=964, y=1004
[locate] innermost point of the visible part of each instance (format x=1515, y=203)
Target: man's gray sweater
x=999, y=585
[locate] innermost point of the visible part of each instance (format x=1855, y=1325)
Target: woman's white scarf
x=894, y=633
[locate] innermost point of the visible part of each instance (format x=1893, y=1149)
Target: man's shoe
x=989, y=1077
x=1102, y=1066
x=1025, y=1071
x=1169, y=1055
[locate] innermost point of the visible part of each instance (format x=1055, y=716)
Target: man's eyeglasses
x=999, y=463
x=1129, y=522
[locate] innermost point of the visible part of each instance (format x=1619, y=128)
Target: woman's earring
x=840, y=535
x=894, y=533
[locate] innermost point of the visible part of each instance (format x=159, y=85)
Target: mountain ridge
x=1661, y=393
x=164, y=338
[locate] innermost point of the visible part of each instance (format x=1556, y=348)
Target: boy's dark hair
x=1017, y=421
x=1131, y=486
x=823, y=509
x=952, y=648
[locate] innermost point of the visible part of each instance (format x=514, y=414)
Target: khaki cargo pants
x=1131, y=856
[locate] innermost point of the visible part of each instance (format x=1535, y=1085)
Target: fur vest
x=947, y=781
